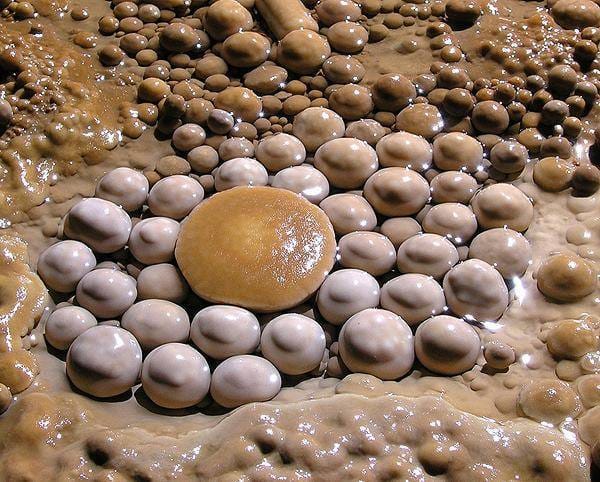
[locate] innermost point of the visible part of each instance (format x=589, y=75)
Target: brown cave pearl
x=421, y=119
x=156, y=322
x=317, y=125
x=586, y=180
x=555, y=146
x=457, y=151
x=203, y=159
x=178, y=37
x=225, y=261
x=62, y=265
x=125, y=187
x=246, y=49
x=105, y=292
x=349, y=212
x=475, y=290
x=393, y=92
x=509, y=157
x=414, y=297
x=548, y=400
x=447, y=345
x=368, y=130
x=175, y=196
x=506, y=250
x=455, y=221
x=498, y=355
x=305, y=180
x=344, y=293
x=403, y=149
x=490, y=117
x=294, y=343
x=209, y=65
x=351, y=101
x=463, y=12
x=377, y=342
x=370, y=252
x=566, y=277
x=241, y=102
x=226, y=17
x=266, y=79
x=111, y=55
x=244, y=379
x=221, y=331
x=104, y=361
x=571, y=339
x=347, y=37
x=458, y=102
x=175, y=376
x=562, y=79
x=303, y=51
x=65, y=324
x=100, y=224
x=554, y=112
x=330, y=12
x=153, y=90
x=347, y=163
x=162, y=281
x=453, y=186
x=398, y=230
x=396, y=191
x=429, y=254
x=502, y=205
x=280, y=151
x=553, y=174
x=240, y=171
x=152, y=240
x=343, y=69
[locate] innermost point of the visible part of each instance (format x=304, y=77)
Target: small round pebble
x=244, y=379
x=104, y=361
x=188, y=136
x=414, y=297
x=175, y=196
x=455, y=221
x=62, y=265
x=125, y=187
x=498, y=355
x=396, y=191
x=156, y=322
x=349, y=212
x=67, y=323
x=175, y=376
x=367, y=251
x=476, y=290
x=453, y=187
x=502, y=205
x=153, y=240
x=162, y=281
x=280, y=151
x=222, y=331
x=106, y=292
x=398, y=230
x=429, y=254
x=447, y=345
x=100, y=224
x=305, y=180
x=294, y=343
x=566, y=277
x=317, y=125
x=403, y=149
x=241, y=171
x=377, y=342
x=506, y=250
x=346, y=292
x=457, y=151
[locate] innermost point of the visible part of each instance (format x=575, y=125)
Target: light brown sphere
x=550, y=401
x=403, y=149
x=105, y=292
x=246, y=49
x=566, y=277
x=241, y=102
x=317, y=125
x=453, y=186
x=347, y=163
x=393, y=92
x=303, y=51
x=457, y=152
x=502, y=205
x=509, y=157
x=429, y=254
x=349, y=212
x=396, y=191
x=175, y=376
x=421, y=119
x=553, y=174
x=571, y=339
x=347, y=37
x=506, y=250
x=280, y=151
x=476, y=290
x=377, y=342
x=398, y=230
x=368, y=251
x=454, y=221
x=447, y=345
x=226, y=17
x=351, y=101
